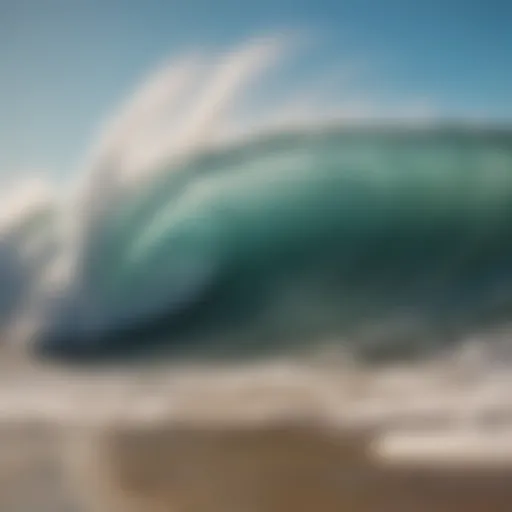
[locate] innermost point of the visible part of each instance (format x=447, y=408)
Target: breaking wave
x=190, y=229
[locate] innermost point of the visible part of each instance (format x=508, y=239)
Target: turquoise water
x=387, y=240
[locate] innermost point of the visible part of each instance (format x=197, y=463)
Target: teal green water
x=386, y=239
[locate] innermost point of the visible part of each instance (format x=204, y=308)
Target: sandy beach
x=274, y=468
x=276, y=438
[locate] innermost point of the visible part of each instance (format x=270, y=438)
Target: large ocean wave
x=189, y=230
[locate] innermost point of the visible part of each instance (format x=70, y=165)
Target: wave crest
x=187, y=223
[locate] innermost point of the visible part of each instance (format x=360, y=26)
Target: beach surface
x=272, y=438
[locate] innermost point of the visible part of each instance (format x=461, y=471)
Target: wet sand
x=32, y=477
x=218, y=455
x=274, y=468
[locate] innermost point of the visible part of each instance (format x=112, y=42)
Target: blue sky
x=65, y=63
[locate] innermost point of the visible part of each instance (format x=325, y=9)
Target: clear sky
x=65, y=63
